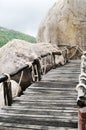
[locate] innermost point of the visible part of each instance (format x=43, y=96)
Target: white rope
x=33, y=78
x=65, y=54
x=45, y=64
x=51, y=61
x=29, y=64
x=9, y=78
x=36, y=72
x=33, y=73
x=21, y=76
x=42, y=61
x=76, y=49
x=42, y=66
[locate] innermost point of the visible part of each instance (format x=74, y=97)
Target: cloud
x=23, y=15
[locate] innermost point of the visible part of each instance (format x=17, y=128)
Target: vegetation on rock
x=7, y=35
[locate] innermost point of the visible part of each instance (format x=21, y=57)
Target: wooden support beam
x=82, y=119
x=7, y=93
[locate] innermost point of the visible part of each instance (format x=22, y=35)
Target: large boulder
x=65, y=24
x=16, y=53
x=43, y=48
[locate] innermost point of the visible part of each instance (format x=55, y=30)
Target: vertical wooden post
x=37, y=69
x=7, y=93
x=54, y=63
x=82, y=119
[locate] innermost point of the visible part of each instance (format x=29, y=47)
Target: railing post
x=82, y=119
x=54, y=54
x=7, y=93
x=53, y=58
x=37, y=70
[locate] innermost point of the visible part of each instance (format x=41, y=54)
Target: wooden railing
x=81, y=98
x=35, y=68
x=7, y=84
x=71, y=52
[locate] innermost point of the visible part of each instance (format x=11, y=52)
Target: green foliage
x=7, y=35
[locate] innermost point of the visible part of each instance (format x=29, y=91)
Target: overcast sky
x=23, y=15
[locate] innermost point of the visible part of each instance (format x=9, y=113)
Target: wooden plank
x=50, y=112
x=50, y=104
x=46, y=119
x=34, y=127
x=54, y=84
x=39, y=108
x=52, y=92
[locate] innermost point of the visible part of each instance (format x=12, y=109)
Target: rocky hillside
x=7, y=35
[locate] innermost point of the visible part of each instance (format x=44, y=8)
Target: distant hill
x=7, y=35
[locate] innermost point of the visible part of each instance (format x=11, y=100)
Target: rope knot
x=8, y=77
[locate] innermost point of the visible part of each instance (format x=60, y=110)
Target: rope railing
x=35, y=68
x=81, y=98
x=4, y=78
x=81, y=86
x=46, y=58
x=71, y=52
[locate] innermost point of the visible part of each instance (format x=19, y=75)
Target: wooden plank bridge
x=47, y=104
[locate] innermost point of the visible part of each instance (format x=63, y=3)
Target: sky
x=24, y=15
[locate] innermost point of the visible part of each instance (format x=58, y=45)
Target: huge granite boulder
x=65, y=23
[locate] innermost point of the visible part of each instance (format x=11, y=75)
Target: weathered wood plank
x=39, y=108
x=51, y=120
x=47, y=103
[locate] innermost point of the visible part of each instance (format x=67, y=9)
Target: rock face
x=65, y=24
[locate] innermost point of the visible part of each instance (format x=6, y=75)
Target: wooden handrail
x=19, y=70
x=4, y=77
x=7, y=85
x=44, y=55
x=56, y=53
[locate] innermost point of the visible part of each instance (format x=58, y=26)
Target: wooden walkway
x=46, y=105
